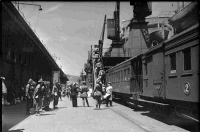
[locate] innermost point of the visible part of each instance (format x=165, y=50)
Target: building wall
x=18, y=62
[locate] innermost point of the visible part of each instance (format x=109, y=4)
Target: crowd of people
x=101, y=93
x=38, y=95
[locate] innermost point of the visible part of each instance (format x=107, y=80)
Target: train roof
x=124, y=61
x=159, y=45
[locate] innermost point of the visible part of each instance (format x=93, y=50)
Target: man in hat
x=59, y=91
x=29, y=95
x=83, y=90
x=74, y=93
x=39, y=95
x=102, y=75
x=55, y=95
x=108, y=94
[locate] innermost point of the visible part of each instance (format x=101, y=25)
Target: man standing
x=4, y=91
x=55, y=95
x=39, y=95
x=59, y=91
x=84, y=89
x=74, y=93
x=29, y=95
x=109, y=94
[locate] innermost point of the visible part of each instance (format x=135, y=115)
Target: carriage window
x=125, y=75
x=112, y=77
x=121, y=75
x=172, y=63
x=128, y=74
x=146, y=70
x=187, y=59
x=118, y=76
x=115, y=77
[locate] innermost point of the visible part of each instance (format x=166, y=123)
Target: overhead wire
x=37, y=20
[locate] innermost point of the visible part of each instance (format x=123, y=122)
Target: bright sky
x=68, y=29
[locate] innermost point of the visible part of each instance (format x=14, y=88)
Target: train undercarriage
x=163, y=108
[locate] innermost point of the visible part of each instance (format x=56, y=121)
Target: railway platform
x=66, y=118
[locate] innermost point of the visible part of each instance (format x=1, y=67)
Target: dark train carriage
x=119, y=76
x=126, y=78
x=182, y=70
x=136, y=85
x=153, y=73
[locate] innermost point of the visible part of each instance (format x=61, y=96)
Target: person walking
x=4, y=96
x=59, y=91
x=74, y=93
x=108, y=95
x=4, y=92
x=55, y=95
x=39, y=96
x=98, y=95
x=83, y=90
x=29, y=95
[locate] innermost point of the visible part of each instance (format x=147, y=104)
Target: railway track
x=171, y=119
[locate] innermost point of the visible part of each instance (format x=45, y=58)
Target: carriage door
x=158, y=75
x=136, y=76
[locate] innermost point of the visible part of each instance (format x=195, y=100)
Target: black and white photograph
x=100, y=66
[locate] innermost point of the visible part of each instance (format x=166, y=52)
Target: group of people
x=38, y=95
x=11, y=96
x=101, y=92
x=74, y=92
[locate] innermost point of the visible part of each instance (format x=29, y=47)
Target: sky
x=68, y=29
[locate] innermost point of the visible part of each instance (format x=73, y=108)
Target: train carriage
x=182, y=71
x=167, y=75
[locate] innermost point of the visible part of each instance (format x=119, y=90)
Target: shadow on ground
x=186, y=124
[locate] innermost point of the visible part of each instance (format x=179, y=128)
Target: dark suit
x=74, y=96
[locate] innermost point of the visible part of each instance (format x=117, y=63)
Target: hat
x=30, y=80
x=33, y=83
x=109, y=83
x=3, y=78
x=40, y=80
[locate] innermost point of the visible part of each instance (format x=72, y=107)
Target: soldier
x=83, y=90
x=59, y=91
x=46, y=101
x=29, y=95
x=98, y=95
x=102, y=75
x=39, y=95
x=74, y=93
x=55, y=95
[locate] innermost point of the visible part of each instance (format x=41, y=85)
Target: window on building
x=172, y=63
x=187, y=59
